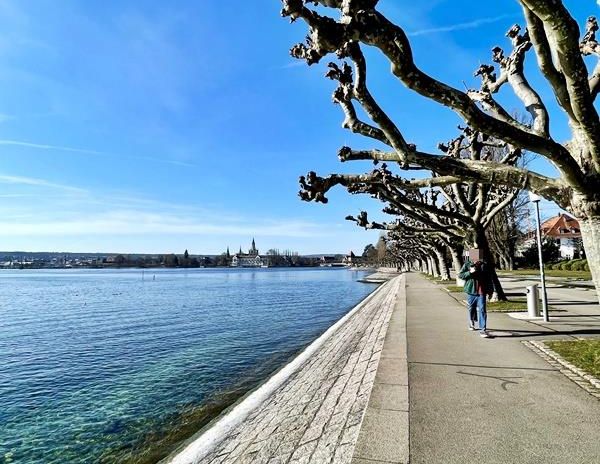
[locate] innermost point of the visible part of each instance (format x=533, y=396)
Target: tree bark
x=433, y=266
x=457, y=264
x=590, y=232
x=442, y=264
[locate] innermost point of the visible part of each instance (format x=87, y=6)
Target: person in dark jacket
x=478, y=287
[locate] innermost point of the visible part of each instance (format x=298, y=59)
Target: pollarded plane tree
x=411, y=253
x=554, y=36
x=434, y=234
x=507, y=228
x=458, y=214
x=412, y=238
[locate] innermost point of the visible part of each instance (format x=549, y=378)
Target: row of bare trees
x=470, y=184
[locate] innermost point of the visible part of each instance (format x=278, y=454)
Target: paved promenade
x=401, y=380
x=316, y=414
x=493, y=400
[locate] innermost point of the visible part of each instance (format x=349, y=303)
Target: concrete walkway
x=384, y=431
x=574, y=311
x=490, y=400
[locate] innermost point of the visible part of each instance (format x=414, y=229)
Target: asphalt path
x=494, y=400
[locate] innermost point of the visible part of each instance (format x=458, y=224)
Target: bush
x=550, y=253
x=566, y=266
x=578, y=264
x=586, y=267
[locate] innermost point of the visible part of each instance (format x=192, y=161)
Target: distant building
x=350, y=259
x=250, y=259
x=563, y=229
x=326, y=260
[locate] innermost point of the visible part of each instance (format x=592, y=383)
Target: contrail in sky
x=19, y=143
x=8, y=179
x=40, y=146
x=460, y=26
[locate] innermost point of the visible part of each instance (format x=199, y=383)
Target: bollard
x=533, y=307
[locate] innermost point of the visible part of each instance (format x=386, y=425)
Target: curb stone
x=586, y=381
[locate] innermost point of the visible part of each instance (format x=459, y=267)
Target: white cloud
x=461, y=26
x=119, y=223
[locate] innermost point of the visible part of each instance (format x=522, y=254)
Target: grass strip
x=454, y=289
x=584, y=354
x=507, y=306
x=551, y=273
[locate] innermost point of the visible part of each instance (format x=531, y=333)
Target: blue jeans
x=476, y=308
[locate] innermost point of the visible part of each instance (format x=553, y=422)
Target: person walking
x=478, y=287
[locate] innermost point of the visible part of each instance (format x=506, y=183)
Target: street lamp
x=535, y=199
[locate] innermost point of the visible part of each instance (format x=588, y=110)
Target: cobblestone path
x=316, y=415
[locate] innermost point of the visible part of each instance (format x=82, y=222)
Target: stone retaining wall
x=315, y=414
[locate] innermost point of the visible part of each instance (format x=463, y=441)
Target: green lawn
x=551, y=273
x=585, y=354
x=507, y=306
x=437, y=280
x=454, y=288
x=515, y=305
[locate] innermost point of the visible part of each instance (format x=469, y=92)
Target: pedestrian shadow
x=560, y=316
x=501, y=333
x=479, y=366
x=573, y=303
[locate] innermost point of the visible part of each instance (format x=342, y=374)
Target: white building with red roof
x=563, y=229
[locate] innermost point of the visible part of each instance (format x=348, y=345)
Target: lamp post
x=535, y=199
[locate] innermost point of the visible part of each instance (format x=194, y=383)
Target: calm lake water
x=111, y=366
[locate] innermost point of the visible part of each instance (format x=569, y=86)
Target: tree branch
x=563, y=34
x=544, y=55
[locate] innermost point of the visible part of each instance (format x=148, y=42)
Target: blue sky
x=154, y=126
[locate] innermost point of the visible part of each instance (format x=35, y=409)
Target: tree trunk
x=442, y=263
x=510, y=264
x=590, y=232
x=457, y=264
x=503, y=262
x=433, y=265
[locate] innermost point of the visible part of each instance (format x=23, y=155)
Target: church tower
x=253, y=250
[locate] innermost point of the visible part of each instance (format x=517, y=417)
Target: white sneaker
x=484, y=334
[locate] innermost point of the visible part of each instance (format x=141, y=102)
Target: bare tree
x=506, y=229
x=555, y=37
x=429, y=244
x=459, y=214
